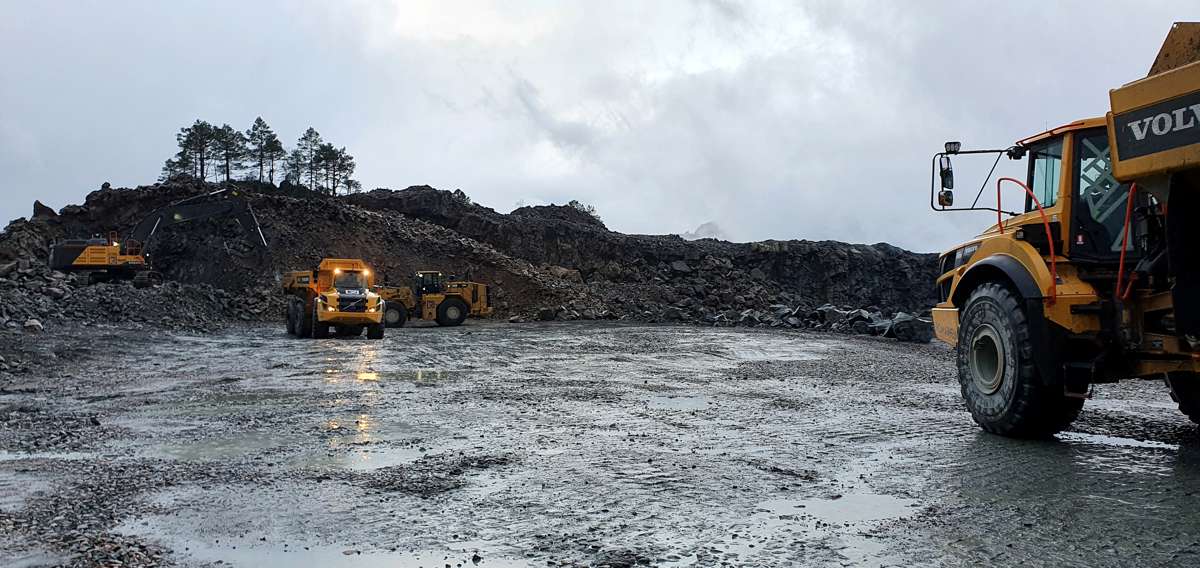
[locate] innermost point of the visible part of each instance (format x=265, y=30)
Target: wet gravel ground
x=565, y=445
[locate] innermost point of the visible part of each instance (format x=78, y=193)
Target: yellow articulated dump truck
x=432, y=297
x=1091, y=273
x=336, y=296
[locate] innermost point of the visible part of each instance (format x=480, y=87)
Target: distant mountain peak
x=709, y=230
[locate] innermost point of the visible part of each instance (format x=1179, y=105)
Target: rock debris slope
x=545, y=262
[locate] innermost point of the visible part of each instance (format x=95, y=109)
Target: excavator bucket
x=1181, y=47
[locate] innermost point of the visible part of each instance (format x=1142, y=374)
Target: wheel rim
x=987, y=359
x=393, y=316
x=453, y=312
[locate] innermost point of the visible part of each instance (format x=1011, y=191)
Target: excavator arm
x=223, y=203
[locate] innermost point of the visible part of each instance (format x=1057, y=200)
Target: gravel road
x=500, y=445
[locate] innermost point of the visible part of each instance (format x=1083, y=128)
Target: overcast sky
x=773, y=119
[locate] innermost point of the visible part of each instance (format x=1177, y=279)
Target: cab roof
x=343, y=263
x=1077, y=125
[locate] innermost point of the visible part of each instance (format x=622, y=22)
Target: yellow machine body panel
x=1154, y=125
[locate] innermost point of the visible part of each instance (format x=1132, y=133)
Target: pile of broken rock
x=34, y=295
x=862, y=321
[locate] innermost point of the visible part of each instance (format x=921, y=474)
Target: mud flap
x=1183, y=256
x=1045, y=343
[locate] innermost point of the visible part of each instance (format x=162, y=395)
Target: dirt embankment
x=548, y=262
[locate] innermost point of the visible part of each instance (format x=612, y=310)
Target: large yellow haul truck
x=337, y=295
x=1094, y=276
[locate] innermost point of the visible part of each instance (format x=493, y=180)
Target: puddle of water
x=669, y=402
x=17, y=488
x=364, y=458
x=362, y=442
x=6, y=455
x=466, y=554
x=223, y=447
x=336, y=557
x=219, y=405
x=850, y=508
x=418, y=377
x=33, y=559
x=1103, y=440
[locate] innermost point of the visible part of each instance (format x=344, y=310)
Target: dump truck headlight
x=330, y=309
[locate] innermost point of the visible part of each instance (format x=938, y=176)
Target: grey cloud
x=776, y=120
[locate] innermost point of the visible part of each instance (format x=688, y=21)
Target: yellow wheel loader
x=111, y=258
x=433, y=297
x=333, y=299
x=1091, y=273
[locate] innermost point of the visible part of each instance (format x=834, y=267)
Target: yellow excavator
x=109, y=257
x=1092, y=274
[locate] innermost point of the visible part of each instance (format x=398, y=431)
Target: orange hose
x=1045, y=223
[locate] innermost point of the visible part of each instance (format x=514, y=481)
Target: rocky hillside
x=545, y=262
x=639, y=271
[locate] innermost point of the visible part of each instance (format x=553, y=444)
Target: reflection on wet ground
x=611, y=445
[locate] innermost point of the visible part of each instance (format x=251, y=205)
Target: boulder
x=681, y=267
x=907, y=327
x=41, y=211
x=33, y=326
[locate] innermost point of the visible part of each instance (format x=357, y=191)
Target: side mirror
x=946, y=198
x=947, y=173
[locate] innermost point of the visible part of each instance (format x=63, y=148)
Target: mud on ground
x=564, y=444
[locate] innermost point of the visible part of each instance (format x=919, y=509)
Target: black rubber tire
x=319, y=330
x=452, y=311
x=1185, y=391
x=395, y=314
x=303, y=320
x=1013, y=400
x=375, y=331
x=290, y=315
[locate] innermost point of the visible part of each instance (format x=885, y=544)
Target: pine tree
x=196, y=147
x=326, y=162
x=308, y=146
x=275, y=152
x=258, y=139
x=230, y=148
x=295, y=167
x=337, y=167
x=345, y=170
x=179, y=165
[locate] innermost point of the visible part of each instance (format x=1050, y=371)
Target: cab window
x=350, y=279
x=1045, y=169
x=1100, y=198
